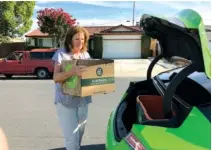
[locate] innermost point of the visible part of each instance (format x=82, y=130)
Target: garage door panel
x=121, y=49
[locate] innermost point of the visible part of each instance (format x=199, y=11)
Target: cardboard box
x=99, y=77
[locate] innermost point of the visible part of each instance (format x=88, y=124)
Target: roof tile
x=91, y=29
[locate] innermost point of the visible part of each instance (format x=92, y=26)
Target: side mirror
x=5, y=59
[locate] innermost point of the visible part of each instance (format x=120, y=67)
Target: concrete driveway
x=28, y=117
x=138, y=67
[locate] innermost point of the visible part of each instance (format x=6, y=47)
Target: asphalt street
x=28, y=115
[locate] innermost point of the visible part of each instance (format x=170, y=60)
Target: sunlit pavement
x=28, y=117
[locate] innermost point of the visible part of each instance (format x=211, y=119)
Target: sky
x=99, y=13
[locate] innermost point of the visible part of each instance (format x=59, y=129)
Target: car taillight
x=134, y=142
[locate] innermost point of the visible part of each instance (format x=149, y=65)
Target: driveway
x=138, y=67
x=28, y=117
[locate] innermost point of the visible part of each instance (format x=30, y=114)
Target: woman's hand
x=3, y=141
x=78, y=70
x=62, y=76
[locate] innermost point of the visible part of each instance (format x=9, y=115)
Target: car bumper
x=111, y=143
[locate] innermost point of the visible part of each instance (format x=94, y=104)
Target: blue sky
x=90, y=13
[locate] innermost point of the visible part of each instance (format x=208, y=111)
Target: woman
x=72, y=111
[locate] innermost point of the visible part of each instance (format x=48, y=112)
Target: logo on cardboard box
x=99, y=71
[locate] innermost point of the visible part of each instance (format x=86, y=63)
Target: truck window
x=48, y=55
x=36, y=55
x=11, y=56
x=15, y=56
x=41, y=55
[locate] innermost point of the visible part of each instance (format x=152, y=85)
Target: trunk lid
x=183, y=36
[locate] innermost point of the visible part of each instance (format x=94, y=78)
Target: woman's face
x=78, y=41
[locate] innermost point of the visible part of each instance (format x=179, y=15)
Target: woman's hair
x=69, y=35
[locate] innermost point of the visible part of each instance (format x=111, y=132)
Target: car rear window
x=41, y=55
x=198, y=77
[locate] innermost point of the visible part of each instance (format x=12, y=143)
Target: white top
x=68, y=100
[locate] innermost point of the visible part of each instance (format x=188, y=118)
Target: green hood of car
x=187, y=19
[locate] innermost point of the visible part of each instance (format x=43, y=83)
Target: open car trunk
x=144, y=105
x=167, y=102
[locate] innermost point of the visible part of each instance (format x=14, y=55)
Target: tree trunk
x=58, y=42
x=55, y=41
x=61, y=43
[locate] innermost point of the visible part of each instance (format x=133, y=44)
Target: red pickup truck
x=35, y=62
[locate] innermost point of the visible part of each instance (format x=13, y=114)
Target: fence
x=7, y=48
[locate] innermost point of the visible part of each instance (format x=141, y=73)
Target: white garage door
x=120, y=49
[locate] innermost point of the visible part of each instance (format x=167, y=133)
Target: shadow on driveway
x=87, y=147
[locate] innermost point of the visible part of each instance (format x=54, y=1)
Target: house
x=118, y=42
x=109, y=41
x=38, y=39
x=105, y=41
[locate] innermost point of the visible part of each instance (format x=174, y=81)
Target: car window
x=195, y=90
x=198, y=77
x=48, y=55
x=36, y=55
x=11, y=57
x=15, y=56
x=41, y=55
x=202, y=79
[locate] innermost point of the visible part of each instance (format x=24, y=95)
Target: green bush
x=4, y=39
x=145, y=46
x=98, y=47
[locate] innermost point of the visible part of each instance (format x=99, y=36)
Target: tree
x=4, y=39
x=55, y=22
x=15, y=17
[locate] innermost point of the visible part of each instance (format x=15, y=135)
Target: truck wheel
x=42, y=73
x=8, y=76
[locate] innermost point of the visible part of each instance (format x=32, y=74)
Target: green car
x=172, y=110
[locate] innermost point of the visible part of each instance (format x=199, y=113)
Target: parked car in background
x=35, y=62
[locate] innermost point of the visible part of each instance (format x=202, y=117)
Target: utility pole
x=133, y=13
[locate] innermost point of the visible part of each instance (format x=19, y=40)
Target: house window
x=40, y=41
x=29, y=41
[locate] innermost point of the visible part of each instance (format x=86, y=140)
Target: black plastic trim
x=168, y=96
x=116, y=135
x=161, y=87
x=152, y=64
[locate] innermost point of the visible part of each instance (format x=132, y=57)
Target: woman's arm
x=60, y=76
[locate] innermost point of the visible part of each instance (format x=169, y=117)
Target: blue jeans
x=72, y=122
